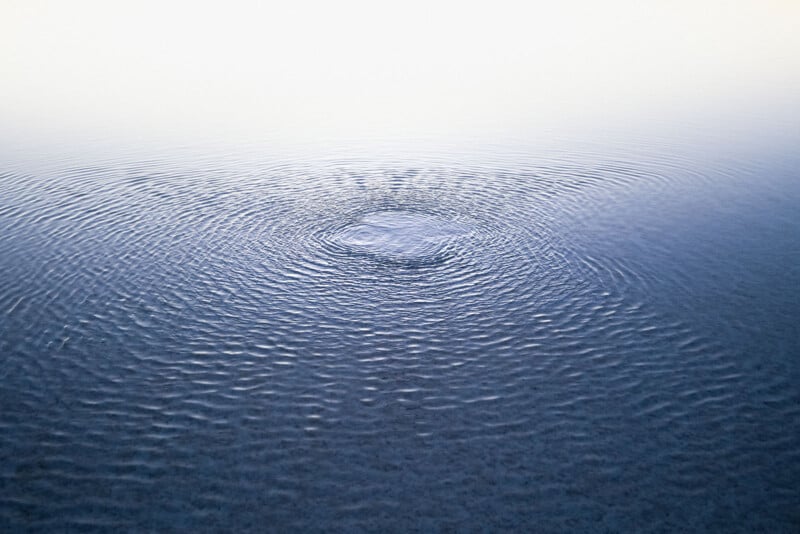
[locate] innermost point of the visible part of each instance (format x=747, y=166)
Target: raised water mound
x=399, y=235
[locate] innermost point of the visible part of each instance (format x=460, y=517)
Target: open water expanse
x=507, y=339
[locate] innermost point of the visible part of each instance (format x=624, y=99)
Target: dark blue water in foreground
x=586, y=341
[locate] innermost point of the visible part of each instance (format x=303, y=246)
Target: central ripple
x=400, y=235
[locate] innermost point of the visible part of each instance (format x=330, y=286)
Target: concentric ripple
x=526, y=343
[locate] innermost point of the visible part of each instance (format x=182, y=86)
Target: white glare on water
x=300, y=68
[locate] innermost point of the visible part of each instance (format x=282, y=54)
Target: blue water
x=501, y=339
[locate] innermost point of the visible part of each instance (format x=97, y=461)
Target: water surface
x=517, y=339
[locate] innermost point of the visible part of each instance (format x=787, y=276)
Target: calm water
x=566, y=340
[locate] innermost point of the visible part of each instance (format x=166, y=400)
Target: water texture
x=562, y=343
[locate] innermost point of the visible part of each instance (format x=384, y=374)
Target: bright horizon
x=304, y=69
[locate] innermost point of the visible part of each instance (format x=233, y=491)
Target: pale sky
x=297, y=67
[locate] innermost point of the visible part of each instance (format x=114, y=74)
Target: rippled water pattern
x=549, y=345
